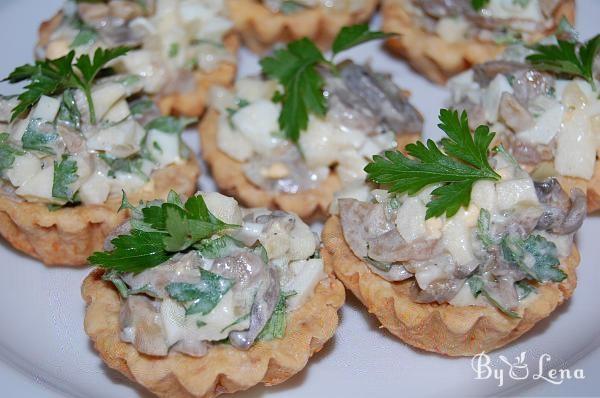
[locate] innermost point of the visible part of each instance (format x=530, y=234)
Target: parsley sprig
x=296, y=68
x=479, y=4
x=159, y=231
x=464, y=162
x=51, y=77
x=568, y=58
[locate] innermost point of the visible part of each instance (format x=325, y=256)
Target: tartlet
x=180, y=82
x=439, y=58
x=546, y=120
x=261, y=27
x=66, y=163
x=185, y=370
x=271, y=172
x=459, y=284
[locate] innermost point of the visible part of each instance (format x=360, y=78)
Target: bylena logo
x=519, y=369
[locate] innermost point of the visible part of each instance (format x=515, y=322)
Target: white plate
x=45, y=353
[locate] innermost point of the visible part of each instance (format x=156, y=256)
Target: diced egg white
x=452, y=30
x=517, y=192
x=546, y=126
x=23, y=169
x=576, y=146
x=223, y=207
x=321, y=143
x=306, y=274
x=484, y=196
x=105, y=97
x=410, y=220
x=121, y=140
x=258, y=122
x=233, y=143
x=95, y=190
x=457, y=238
x=46, y=109
x=164, y=147
x=303, y=242
x=492, y=96
x=38, y=187
x=508, y=9
x=127, y=182
x=118, y=112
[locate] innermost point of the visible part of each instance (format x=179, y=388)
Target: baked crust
x=229, y=175
x=224, y=369
x=439, y=328
x=191, y=103
x=260, y=28
x=68, y=236
x=437, y=59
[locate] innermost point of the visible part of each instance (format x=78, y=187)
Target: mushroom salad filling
x=208, y=272
x=293, y=6
x=501, y=21
x=508, y=237
x=366, y=112
x=88, y=139
x=310, y=116
x=172, y=38
x=543, y=113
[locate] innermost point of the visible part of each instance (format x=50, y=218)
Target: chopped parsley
x=8, y=153
x=202, y=297
x=65, y=174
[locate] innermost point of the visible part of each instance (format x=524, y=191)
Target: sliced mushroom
x=562, y=214
x=141, y=325
x=515, y=115
x=265, y=301
x=372, y=96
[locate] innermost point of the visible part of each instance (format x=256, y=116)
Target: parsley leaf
x=65, y=174
x=170, y=124
x=35, y=139
x=483, y=229
x=203, y=296
x=536, y=256
x=567, y=58
x=352, y=36
x=275, y=327
x=161, y=231
x=86, y=36
x=295, y=67
x=220, y=247
x=51, y=77
x=477, y=286
x=69, y=112
x=7, y=152
x=135, y=252
x=464, y=163
x=479, y=4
